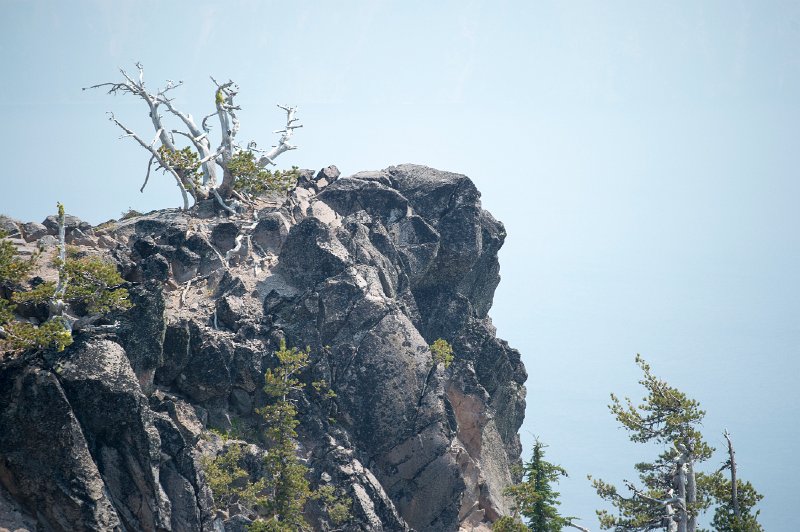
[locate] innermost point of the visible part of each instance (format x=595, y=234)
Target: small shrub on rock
x=442, y=353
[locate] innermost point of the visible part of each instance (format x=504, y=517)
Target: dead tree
x=734, y=482
x=194, y=167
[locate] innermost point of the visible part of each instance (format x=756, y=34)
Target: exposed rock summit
x=367, y=271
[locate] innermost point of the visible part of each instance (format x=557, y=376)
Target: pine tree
x=13, y=271
x=735, y=498
x=230, y=483
x=286, y=475
x=87, y=288
x=535, y=499
x=280, y=496
x=669, y=499
x=508, y=524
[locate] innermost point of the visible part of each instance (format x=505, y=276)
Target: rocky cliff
x=367, y=271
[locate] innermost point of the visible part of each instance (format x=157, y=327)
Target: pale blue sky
x=643, y=156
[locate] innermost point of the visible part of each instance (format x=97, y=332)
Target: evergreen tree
x=286, y=475
x=735, y=498
x=508, y=524
x=535, y=499
x=279, y=497
x=12, y=268
x=229, y=482
x=252, y=179
x=669, y=499
x=13, y=271
x=718, y=489
x=86, y=289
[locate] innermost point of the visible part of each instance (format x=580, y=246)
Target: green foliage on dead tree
x=254, y=180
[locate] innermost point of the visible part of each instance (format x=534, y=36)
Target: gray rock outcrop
x=367, y=271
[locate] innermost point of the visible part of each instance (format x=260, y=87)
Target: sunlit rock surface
x=367, y=271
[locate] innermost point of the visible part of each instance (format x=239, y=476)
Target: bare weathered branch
x=734, y=488
x=185, y=290
x=114, y=87
x=147, y=176
x=204, y=124
x=63, y=278
x=672, y=499
x=211, y=156
x=137, y=87
x=170, y=86
x=201, y=143
x=223, y=100
x=227, y=114
x=158, y=134
x=286, y=134
x=240, y=251
x=222, y=202
x=579, y=527
x=157, y=157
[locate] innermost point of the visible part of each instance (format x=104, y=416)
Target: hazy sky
x=642, y=155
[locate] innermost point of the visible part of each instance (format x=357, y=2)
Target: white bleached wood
x=201, y=143
x=157, y=157
x=286, y=134
x=683, y=518
x=209, y=159
x=63, y=279
x=579, y=527
x=734, y=486
x=222, y=202
x=57, y=306
x=691, y=494
x=147, y=175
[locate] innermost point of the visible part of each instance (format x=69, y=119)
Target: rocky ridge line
x=367, y=271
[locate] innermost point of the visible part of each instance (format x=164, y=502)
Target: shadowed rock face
x=367, y=271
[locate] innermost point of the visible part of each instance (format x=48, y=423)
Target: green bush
x=509, y=524
x=281, y=495
x=442, y=353
x=12, y=268
x=185, y=162
x=92, y=285
x=336, y=506
x=253, y=179
x=228, y=481
x=128, y=214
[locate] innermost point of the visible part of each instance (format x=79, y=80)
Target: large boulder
x=46, y=462
x=142, y=331
x=32, y=231
x=9, y=226
x=312, y=253
x=114, y=414
x=270, y=232
x=71, y=223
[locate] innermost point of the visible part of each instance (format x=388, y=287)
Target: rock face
x=367, y=271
